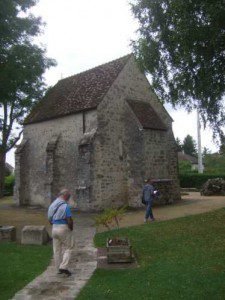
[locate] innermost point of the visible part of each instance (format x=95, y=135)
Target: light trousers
x=62, y=245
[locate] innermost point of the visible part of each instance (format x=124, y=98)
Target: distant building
x=99, y=133
x=190, y=158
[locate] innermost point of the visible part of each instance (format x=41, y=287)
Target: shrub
x=192, y=180
x=9, y=184
x=214, y=187
x=184, y=166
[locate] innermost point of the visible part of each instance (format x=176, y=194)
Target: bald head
x=65, y=194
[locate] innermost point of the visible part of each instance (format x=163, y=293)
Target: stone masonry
x=111, y=133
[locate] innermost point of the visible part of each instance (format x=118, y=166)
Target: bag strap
x=56, y=210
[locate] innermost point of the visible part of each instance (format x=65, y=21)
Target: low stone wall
x=7, y=233
x=34, y=235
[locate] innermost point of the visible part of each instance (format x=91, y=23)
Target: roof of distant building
x=187, y=157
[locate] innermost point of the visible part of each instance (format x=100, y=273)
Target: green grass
x=179, y=259
x=19, y=265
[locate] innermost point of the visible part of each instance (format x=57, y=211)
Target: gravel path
x=191, y=204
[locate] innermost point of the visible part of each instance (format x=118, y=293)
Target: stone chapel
x=99, y=133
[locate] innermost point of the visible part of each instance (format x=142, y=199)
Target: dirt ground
x=20, y=217
x=191, y=204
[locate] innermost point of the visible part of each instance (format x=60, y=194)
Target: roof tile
x=77, y=93
x=147, y=116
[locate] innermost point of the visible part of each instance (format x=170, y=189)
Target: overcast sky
x=81, y=34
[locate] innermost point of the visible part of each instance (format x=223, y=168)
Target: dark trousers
x=149, y=210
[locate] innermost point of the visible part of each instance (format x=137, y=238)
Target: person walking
x=148, y=194
x=59, y=215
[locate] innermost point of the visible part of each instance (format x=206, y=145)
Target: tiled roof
x=187, y=157
x=79, y=92
x=146, y=115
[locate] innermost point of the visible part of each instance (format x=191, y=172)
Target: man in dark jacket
x=148, y=194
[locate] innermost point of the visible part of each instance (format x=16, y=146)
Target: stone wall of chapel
x=117, y=179
x=69, y=131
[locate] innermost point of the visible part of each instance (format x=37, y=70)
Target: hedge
x=193, y=180
x=9, y=184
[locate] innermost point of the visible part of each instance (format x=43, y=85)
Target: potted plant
x=118, y=248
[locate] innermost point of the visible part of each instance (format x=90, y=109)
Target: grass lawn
x=19, y=265
x=179, y=259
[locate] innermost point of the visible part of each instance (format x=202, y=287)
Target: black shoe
x=64, y=271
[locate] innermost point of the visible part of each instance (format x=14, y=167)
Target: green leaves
x=182, y=43
x=110, y=216
x=189, y=145
x=22, y=64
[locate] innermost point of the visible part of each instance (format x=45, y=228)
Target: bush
x=214, y=187
x=9, y=184
x=193, y=180
x=184, y=166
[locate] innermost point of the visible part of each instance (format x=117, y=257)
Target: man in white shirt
x=60, y=217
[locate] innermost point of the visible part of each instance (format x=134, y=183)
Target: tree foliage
x=214, y=163
x=189, y=145
x=184, y=166
x=22, y=64
x=179, y=144
x=222, y=147
x=181, y=44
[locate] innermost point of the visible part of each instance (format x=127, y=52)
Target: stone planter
x=119, y=250
x=7, y=234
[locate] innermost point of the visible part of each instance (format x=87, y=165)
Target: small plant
x=103, y=219
x=110, y=216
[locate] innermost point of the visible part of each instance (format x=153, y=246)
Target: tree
x=205, y=151
x=189, y=145
x=214, y=164
x=22, y=64
x=222, y=147
x=181, y=43
x=179, y=144
x=184, y=166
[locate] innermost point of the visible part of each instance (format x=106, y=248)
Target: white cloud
x=84, y=34
x=186, y=123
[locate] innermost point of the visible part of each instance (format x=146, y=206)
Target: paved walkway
x=49, y=285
